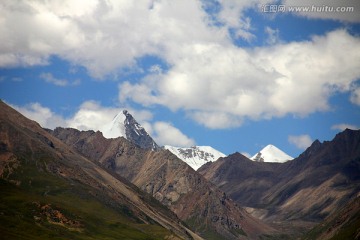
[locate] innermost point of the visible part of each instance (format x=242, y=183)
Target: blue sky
x=218, y=73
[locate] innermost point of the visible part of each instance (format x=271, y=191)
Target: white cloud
x=232, y=16
x=167, y=134
x=300, y=141
x=216, y=120
x=89, y=33
x=355, y=96
x=343, y=126
x=273, y=35
x=43, y=115
x=216, y=83
x=91, y=115
x=219, y=86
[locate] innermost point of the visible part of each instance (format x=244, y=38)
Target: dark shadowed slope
x=317, y=183
x=48, y=191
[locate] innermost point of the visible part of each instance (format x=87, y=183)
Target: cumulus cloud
x=89, y=33
x=167, y=134
x=216, y=83
x=273, y=35
x=355, y=96
x=91, y=115
x=343, y=126
x=300, y=141
x=220, y=86
x=43, y=115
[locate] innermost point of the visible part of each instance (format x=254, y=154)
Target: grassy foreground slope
x=48, y=191
x=46, y=207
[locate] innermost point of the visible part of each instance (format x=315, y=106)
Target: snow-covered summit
x=125, y=125
x=116, y=128
x=196, y=156
x=270, y=153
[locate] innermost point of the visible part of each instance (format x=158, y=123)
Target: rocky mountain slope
x=270, y=153
x=196, y=201
x=196, y=156
x=48, y=191
x=342, y=224
x=125, y=125
x=309, y=188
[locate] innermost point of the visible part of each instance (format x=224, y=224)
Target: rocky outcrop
x=137, y=134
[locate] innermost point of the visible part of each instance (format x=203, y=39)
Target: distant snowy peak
x=270, y=153
x=116, y=128
x=196, y=156
x=125, y=125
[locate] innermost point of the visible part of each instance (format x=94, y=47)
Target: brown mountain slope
x=49, y=191
x=244, y=180
x=310, y=187
x=196, y=201
x=343, y=224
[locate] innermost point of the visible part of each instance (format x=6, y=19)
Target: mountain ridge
x=196, y=156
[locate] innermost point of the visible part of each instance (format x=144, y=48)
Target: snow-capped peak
x=125, y=125
x=196, y=156
x=270, y=153
x=116, y=128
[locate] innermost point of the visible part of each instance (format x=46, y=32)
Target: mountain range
x=125, y=125
x=303, y=191
x=196, y=156
x=71, y=184
x=197, y=202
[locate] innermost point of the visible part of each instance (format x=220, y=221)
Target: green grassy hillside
x=35, y=204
